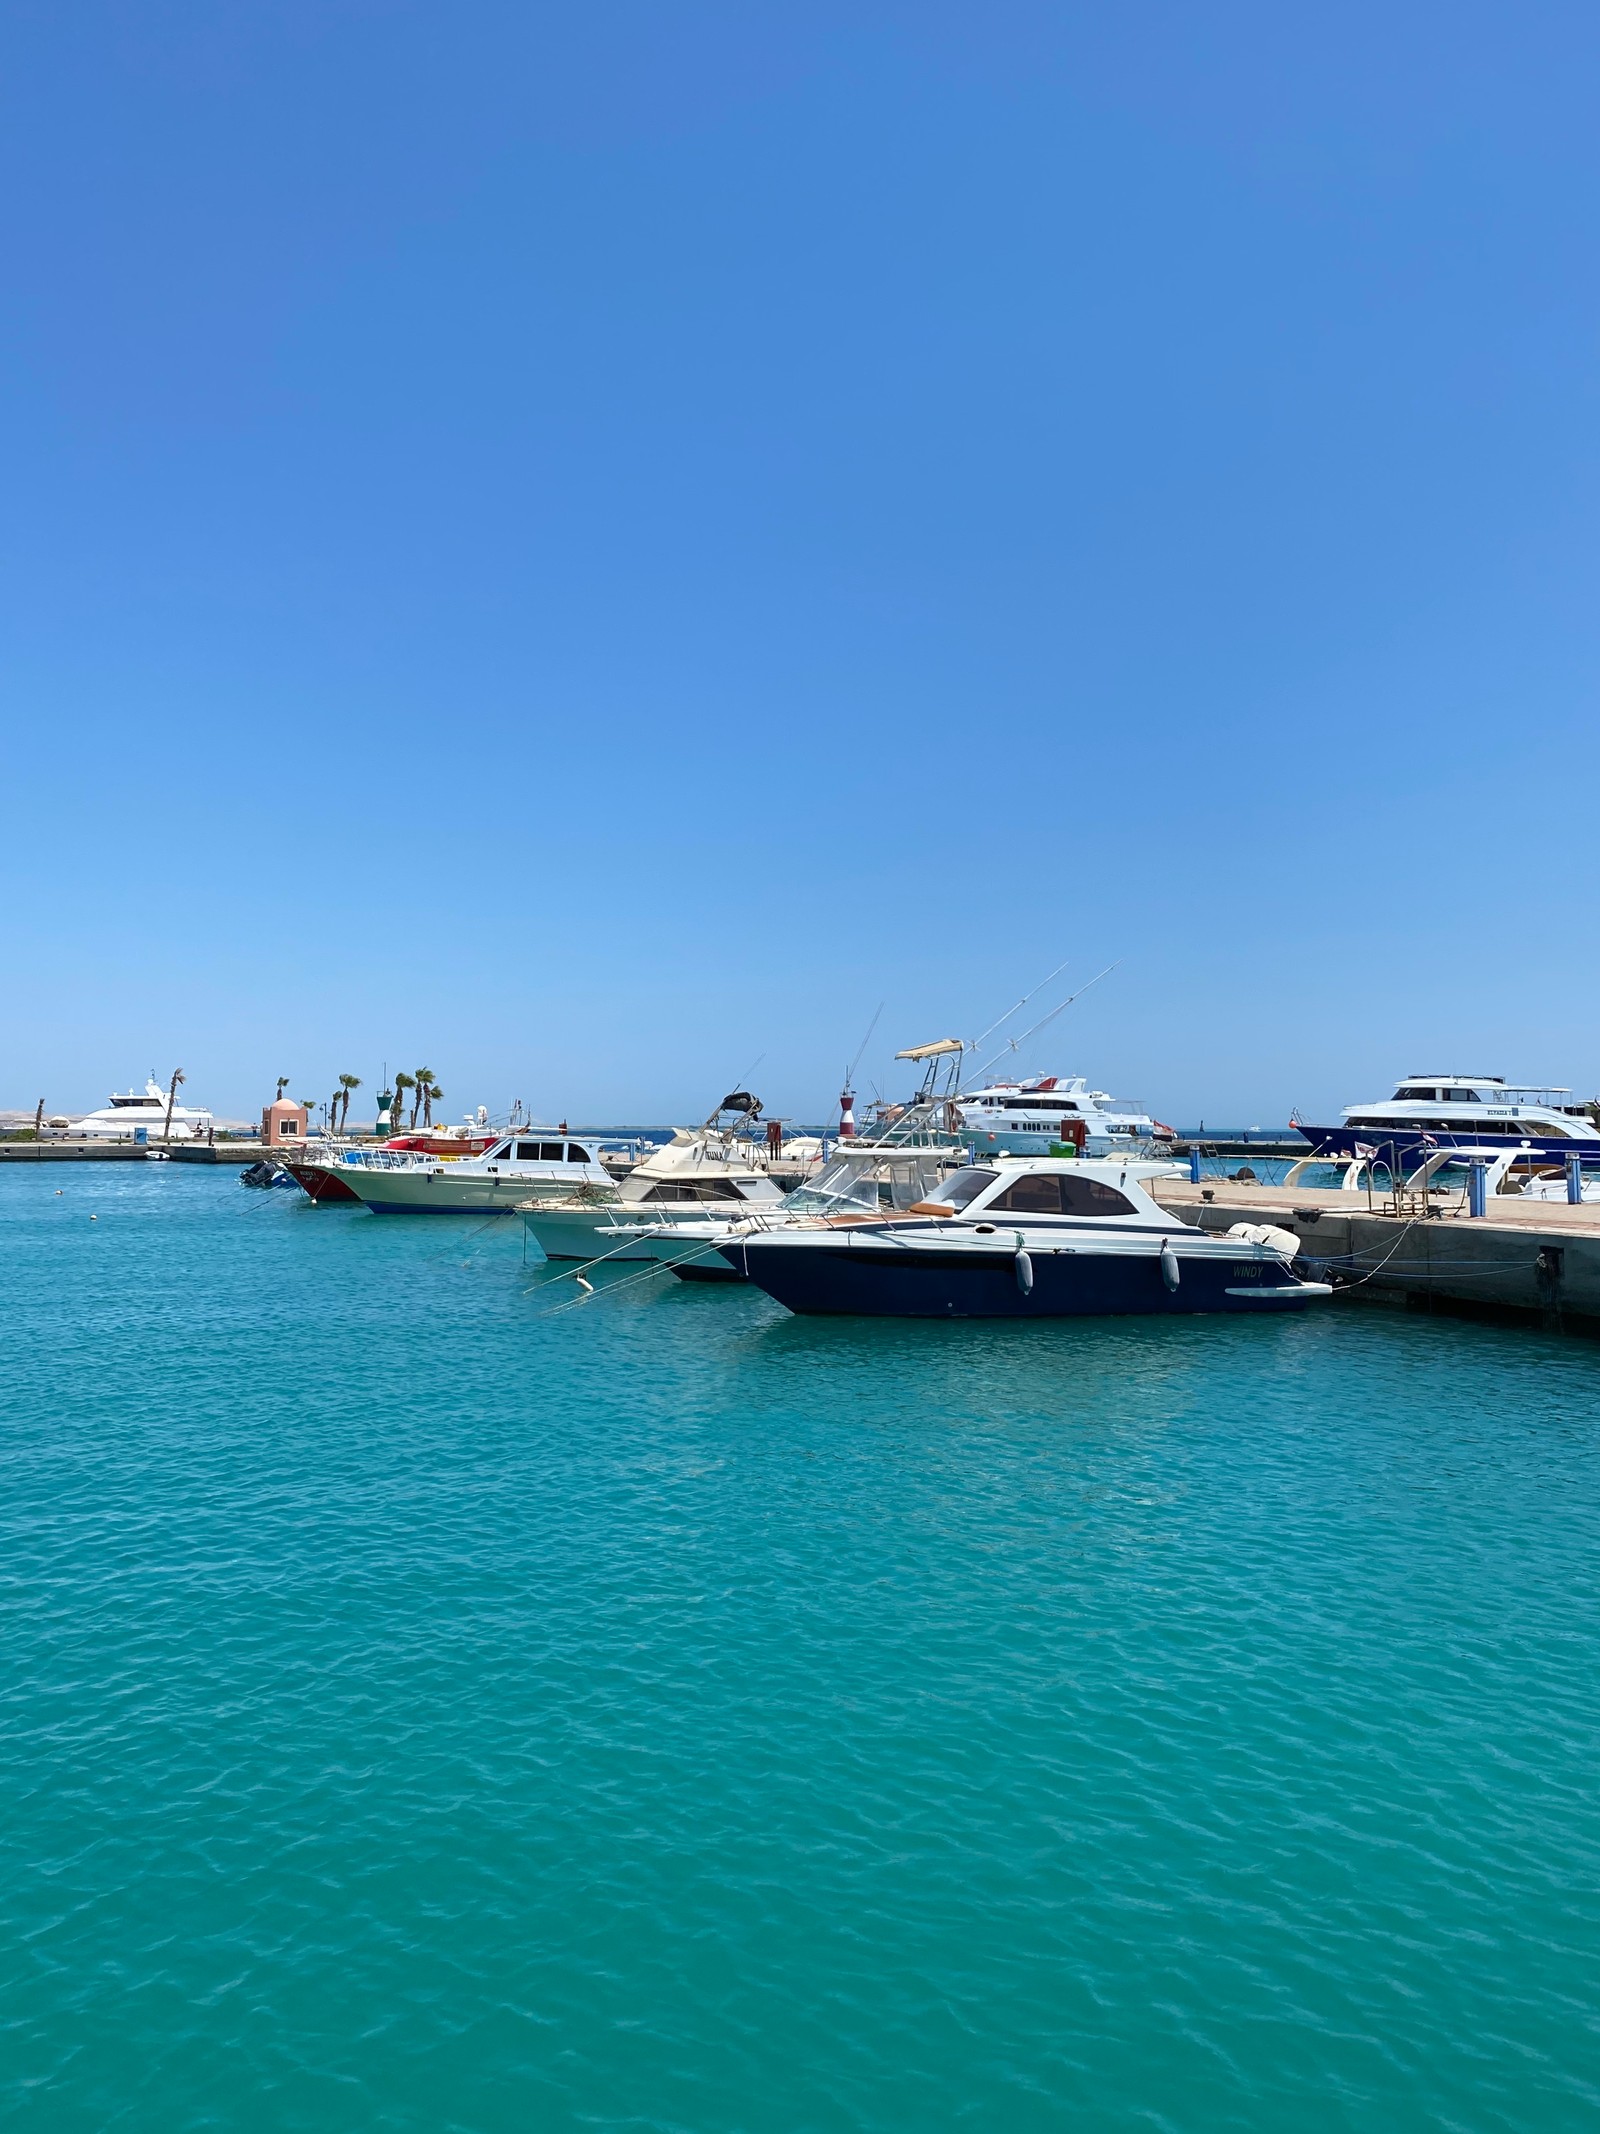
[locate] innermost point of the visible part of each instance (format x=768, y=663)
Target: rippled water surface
x=419, y=1710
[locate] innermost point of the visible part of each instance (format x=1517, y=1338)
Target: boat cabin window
x=962, y=1186
x=1057, y=1193
x=539, y=1152
x=503, y=1150
x=1462, y=1096
x=576, y=1154
x=1414, y=1093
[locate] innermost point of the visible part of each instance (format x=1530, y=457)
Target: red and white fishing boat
x=316, y=1166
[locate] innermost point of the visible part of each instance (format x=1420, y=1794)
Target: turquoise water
x=421, y=1711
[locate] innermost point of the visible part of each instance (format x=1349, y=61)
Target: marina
x=995, y=1179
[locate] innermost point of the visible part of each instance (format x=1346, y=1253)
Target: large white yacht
x=1459, y=1111
x=1024, y=1118
x=123, y=1118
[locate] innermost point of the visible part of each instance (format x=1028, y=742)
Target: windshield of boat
x=858, y=1184
x=845, y=1183
x=962, y=1187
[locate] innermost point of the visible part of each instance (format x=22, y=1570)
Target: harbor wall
x=1526, y=1263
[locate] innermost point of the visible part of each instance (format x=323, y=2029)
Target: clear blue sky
x=587, y=544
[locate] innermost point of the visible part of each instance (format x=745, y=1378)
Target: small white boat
x=519, y=1168
x=124, y=1118
x=721, y=1164
x=862, y=1180
x=698, y=1172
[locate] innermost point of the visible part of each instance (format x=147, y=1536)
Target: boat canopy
x=931, y=1052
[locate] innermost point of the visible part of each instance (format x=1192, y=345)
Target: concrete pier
x=70, y=1151
x=1533, y=1263
x=88, y=1150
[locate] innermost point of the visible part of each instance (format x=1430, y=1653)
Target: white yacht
x=698, y=1173
x=1025, y=1118
x=1457, y=1111
x=517, y=1169
x=124, y=1117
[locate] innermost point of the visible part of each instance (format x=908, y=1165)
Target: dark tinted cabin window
x=1089, y=1196
x=1030, y=1196
x=576, y=1154
x=1462, y=1096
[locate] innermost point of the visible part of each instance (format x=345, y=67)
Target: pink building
x=283, y=1122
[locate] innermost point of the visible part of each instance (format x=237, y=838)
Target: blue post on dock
x=1477, y=1187
x=1194, y=1167
x=1575, y=1179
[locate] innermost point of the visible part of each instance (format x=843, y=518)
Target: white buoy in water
x=1169, y=1264
x=1023, y=1268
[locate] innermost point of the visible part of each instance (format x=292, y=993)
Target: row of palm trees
x=423, y=1089
x=425, y=1093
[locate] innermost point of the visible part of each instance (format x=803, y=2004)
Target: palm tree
x=435, y=1096
x=172, y=1098
x=424, y=1096
x=402, y=1082
x=283, y=1083
x=347, y=1083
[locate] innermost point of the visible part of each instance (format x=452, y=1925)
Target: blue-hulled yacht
x=1429, y=1111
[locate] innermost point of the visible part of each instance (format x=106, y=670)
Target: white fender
x=1023, y=1268
x=1169, y=1264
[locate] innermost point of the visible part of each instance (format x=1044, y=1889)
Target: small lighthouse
x=847, y=1114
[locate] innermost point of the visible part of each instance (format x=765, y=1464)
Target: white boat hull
x=614, y=1233
x=444, y=1189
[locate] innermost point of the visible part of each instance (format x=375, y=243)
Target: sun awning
x=931, y=1052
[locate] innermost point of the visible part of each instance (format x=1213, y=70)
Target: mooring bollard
x=1575, y=1179
x=1477, y=1187
x=1194, y=1167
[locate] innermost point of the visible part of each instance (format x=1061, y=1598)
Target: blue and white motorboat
x=1034, y=1238
x=1434, y=1111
